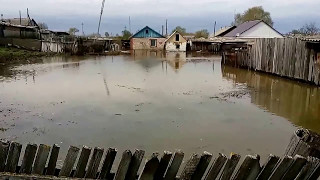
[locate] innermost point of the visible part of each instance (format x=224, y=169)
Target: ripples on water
x=154, y=102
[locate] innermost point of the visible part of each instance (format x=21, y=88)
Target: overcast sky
x=191, y=14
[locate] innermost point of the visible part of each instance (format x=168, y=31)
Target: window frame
x=177, y=37
x=155, y=42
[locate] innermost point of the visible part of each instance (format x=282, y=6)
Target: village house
x=176, y=42
x=254, y=29
x=23, y=33
x=147, y=39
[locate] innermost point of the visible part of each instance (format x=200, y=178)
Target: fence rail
x=39, y=162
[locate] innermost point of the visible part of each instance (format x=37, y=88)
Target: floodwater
x=154, y=102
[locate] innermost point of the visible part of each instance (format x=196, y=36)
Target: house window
x=147, y=31
x=153, y=43
x=177, y=37
x=177, y=46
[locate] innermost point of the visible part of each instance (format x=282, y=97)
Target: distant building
x=254, y=29
x=8, y=30
x=147, y=39
x=176, y=42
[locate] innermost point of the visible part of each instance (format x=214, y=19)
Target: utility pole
x=20, y=16
x=166, y=27
x=102, y=6
x=162, y=30
x=82, y=29
x=214, y=29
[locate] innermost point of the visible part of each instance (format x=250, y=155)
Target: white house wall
x=261, y=30
x=170, y=46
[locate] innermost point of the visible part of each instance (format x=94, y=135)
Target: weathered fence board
x=53, y=160
x=149, y=170
x=41, y=159
x=28, y=158
x=216, y=167
x=174, y=165
x=268, y=168
x=230, y=167
x=124, y=165
x=135, y=164
x=13, y=157
x=196, y=168
x=164, y=162
x=94, y=163
x=82, y=162
x=108, y=161
x=69, y=161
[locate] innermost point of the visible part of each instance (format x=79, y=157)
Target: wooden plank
x=174, y=165
x=216, y=167
x=108, y=161
x=163, y=165
x=4, y=149
x=307, y=170
x=13, y=157
x=281, y=168
x=124, y=165
x=268, y=167
x=316, y=171
x=150, y=168
x=41, y=159
x=135, y=164
x=53, y=160
x=295, y=168
x=94, y=163
x=82, y=162
x=249, y=169
x=28, y=158
x=202, y=166
x=190, y=167
x=230, y=167
x=69, y=161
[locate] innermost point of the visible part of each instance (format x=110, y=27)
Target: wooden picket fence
x=39, y=162
x=288, y=57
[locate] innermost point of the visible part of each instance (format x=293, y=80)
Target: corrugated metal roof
x=147, y=32
x=18, y=26
x=242, y=28
x=16, y=21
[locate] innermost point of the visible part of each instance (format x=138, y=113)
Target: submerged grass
x=10, y=55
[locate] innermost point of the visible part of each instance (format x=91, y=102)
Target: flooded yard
x=154, y=102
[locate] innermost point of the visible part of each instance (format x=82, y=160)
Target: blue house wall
x=147, y=32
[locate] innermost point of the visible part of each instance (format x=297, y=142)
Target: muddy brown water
x=154, y=102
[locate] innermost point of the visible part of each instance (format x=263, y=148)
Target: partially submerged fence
x=288, y=57
x=39, y=162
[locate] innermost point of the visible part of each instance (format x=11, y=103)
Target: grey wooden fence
x=39, y=162
x=288, y=57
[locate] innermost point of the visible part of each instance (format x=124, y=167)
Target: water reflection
x=147, y=100
x=297, y=102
